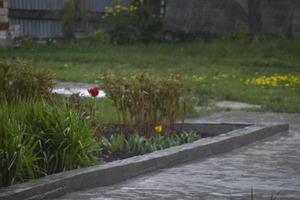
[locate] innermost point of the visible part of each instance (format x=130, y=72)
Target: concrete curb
x=59, y=184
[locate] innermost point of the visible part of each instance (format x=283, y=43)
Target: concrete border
x=59, y=184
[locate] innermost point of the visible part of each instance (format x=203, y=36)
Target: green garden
x=149, y=86
x=265, y=73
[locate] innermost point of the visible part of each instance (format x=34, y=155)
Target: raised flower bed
x=221, y=138
x=44, y=134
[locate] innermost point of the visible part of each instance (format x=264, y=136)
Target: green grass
x=237, y=59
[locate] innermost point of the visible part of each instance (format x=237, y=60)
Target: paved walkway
x=270, y=166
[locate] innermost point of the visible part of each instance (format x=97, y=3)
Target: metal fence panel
x=36, y=4
x=91, y=5
x=99, y=5
x=38, y=28
x=49, y=28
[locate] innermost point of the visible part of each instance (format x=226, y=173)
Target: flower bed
x=225, y=138
x=119, y=146
x=43, y=134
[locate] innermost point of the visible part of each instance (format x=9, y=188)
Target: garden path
x=269, y=166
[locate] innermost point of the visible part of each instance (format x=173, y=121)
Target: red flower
x=94, y=91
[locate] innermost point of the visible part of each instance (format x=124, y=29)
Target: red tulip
x=94, y=91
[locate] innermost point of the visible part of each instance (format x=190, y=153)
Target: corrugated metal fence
x=36, y=4
x=37, y=28
x=48, y=28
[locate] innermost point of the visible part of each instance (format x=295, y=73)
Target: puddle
x=83, y=92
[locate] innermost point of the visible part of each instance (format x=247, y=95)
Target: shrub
x=134, y=27
x=99, y=38
x=19, y=81
x=133, y=23
x=144, y=100
x=39, y=139
x=72, y=16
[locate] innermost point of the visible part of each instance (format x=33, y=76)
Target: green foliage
x=19, y=81
x=72, y=15
x=114, y=143
x=144, y=100
x=129, y=28
x=66, y=139
x=163, y=142
x=18, y=160
x=40, y=139
x=187, y=137
x=237, y=59
x=136, y=144
x=99, y=38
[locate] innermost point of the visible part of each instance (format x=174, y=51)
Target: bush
x=138, y=27
x=134, y=23
x=98, y=38
x=144, y=100
x=19, y=81
x=41, y=139
x=72, y=16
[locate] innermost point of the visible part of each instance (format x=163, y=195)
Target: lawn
x=265, y=73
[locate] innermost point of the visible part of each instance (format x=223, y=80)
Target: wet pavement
x=269, y=167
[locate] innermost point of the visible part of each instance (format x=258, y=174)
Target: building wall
x=278, y=17
x=4, y=26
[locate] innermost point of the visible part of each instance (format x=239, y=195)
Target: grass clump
x=18, y=159
x=66, y=138
x=38, y=139
x=19, y=81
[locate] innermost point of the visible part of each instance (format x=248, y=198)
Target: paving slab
x=235, y=105
x=269, y=167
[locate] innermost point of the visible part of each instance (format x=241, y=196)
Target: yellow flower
x=275, y=80
x=133, y=8
x=118, y=8
x=124, y=8
x=158, y=129
x=108, y=10
x=198, y=78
